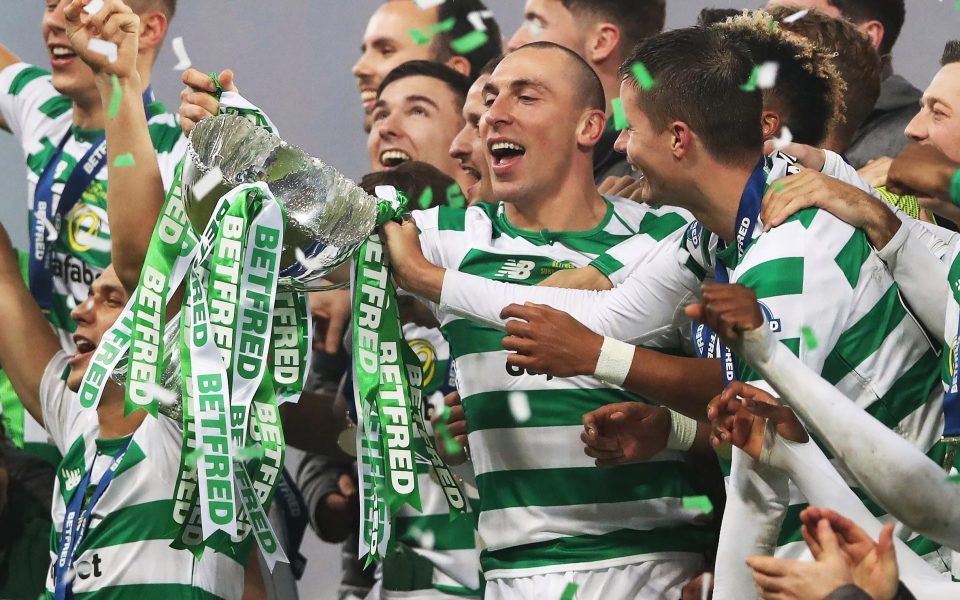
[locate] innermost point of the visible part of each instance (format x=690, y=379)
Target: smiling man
x=548, y=516
x=389, y=42
x=467, y=147
x=417, y=116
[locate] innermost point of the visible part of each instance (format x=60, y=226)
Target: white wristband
x=683, y=432
x=613, y=366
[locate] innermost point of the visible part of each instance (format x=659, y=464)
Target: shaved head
x=588, y=84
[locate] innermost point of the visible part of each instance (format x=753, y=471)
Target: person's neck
x=575, y=206
x=715, y=199
x=113, y=423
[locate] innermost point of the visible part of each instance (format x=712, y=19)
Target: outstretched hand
x=626, y=432
x=740, y=414
x=115, y=24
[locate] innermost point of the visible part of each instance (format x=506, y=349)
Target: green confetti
x=124, y=160
x=569, y=592
x=642, y=75
x=455, y=197
x=469, y=42
x=620, y=121
x=701, y=503
x=191, y=458
x=751, y=84
x=250, y=452
x=115, y=98
x=778, y=187
x=419, y=37
x=451, y=445
x=955, y=478
x=426, y=198
x=772, y=24
x=809, y=339
x=443, y=26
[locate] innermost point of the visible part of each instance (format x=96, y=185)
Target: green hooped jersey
x=544, y=506
x=126, y=551
x=431, y=556
x=832, y=301
x=40, y=117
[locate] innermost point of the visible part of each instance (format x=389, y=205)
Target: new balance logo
x=71, y=478
x=516, y=269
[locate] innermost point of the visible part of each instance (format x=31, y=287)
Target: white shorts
x=651, y=580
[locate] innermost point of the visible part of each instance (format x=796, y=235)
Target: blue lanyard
x=708, y=344
x=44, y=211
x=77, y=520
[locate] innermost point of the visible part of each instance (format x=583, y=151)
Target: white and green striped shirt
x=126, y=551
x=544, y=506
x=40, y=117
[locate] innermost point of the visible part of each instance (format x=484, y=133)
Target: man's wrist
x=683, y=432
x=881, y=223
x=613, y=363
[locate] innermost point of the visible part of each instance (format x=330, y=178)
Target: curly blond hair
x=809, y=91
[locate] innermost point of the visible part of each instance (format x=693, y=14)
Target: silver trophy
x=327, y=215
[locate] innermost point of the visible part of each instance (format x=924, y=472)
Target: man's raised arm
x=7, y=58
x=135, y=194
x=27, y=343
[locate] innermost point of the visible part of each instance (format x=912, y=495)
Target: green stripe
x=451, y=219
x=448, y=535
x=911, y=391
x=147, y=591
x=12, y=410
x=38, y=161
x=661, y=226
x=55, y=107
x=606, y=264
x=805, y=217
x=777, y=277
x=851, y=258
x=24, y=77
x=165, y=137
x=695, y=268
x=500, y=267
x=594, y=548
x=139, y=523
x=865, y=337
x=596, y=244
x=555, y=487
x=548, y=408
x=466, y=337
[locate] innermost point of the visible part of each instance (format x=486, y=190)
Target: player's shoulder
x=447, y=219
x=19, y=78
x=165, y=132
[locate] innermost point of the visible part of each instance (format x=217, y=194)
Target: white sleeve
x=836, y=167
x=56, y=401
x=757, y=499
x=824, y=487
x=888, y=467
x=648, y=304
x=920, y=275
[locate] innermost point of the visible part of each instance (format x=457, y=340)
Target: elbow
x=128, y=274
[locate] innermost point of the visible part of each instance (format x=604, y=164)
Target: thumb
x=827, y=538
x=347, y=487
x=226, y=80
x=695, y=312
x=885, y=547
x=590, y=424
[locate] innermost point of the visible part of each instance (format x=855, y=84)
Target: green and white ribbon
x=388, y=377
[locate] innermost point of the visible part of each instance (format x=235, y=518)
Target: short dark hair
x=491, y=66
x=636, y=19
x=808, y=87
x=890, y=13
x=459, y=11
x=588, y=82
x=712, y=16
x=413, y=178
x=698, y=73
x=951, y=53
x=458, y=83
x=853, y=55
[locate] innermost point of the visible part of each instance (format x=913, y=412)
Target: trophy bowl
x=327, y=215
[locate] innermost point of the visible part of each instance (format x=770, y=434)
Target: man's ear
x=153, y=30
x=874, y=30
x=602, y=43
x=459, y=64
x=681, y=139
x=591, y=126
x=770, y=124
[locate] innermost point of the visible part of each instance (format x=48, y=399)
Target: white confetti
x=311, y=264
x=785, y=139
x=767, y=75
x=206, y=184
x=160, y=394
x=797, y=16
x=94, y=7
x=181, y=52
x=519, y=406
x=533, y=27
x=476, y=19
x=425, y=4
x=108, y=49
x=425, y=539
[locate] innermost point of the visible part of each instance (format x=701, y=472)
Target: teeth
x=368, y=95
x=60, y=51
x=394, y=155
x=506, y=146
